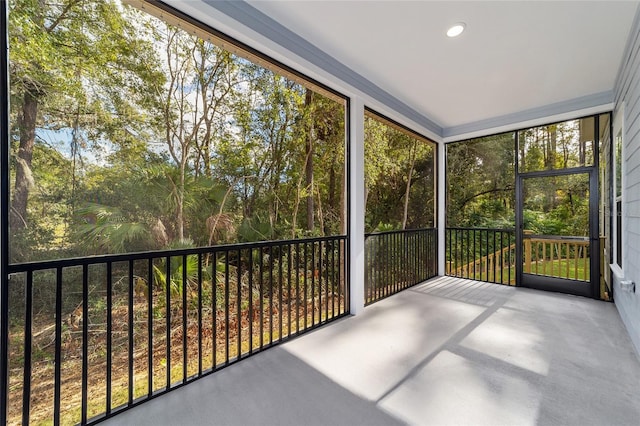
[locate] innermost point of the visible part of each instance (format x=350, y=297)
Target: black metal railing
x=397, y=260
x=93, y=336
x=481, y=254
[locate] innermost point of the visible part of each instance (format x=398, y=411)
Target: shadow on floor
x=448, y=351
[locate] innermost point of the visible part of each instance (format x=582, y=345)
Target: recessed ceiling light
x=456, y=29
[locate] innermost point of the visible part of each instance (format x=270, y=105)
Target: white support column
x=441, y=208
x=356, y=206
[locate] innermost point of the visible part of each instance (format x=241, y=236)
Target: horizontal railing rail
x=95, y=335
x=483, y=254
x=397, y=260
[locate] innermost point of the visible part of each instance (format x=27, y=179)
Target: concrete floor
x=445, y=352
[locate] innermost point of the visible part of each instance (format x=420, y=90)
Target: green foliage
x=176, y=283
x=393, y=161
x=148, y=136
x=481, y=182
x=106, y=229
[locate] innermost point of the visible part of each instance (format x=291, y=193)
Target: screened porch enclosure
x=175, y=201
x=544, y=184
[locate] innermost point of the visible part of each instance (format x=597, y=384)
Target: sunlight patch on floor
x=455, y=390
x=512, y=338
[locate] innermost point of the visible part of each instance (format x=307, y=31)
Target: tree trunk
x=551, y=157
x=24, y=177
x=180, y=201
x=308, y=167
x=408, y=189
x=332, y=187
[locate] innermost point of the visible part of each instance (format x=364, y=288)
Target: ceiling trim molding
x=266, y=26
x=598, y=102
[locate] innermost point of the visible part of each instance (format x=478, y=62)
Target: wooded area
x=399, y=178
x=481, y=179
x=130, y=134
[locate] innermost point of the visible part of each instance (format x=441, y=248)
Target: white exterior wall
x=627, y=112
x=356, y=207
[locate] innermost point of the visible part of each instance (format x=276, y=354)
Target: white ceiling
x=513, y=57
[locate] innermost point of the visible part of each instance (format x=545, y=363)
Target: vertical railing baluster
x=431, y=249
x=342, y=269
x=388, y=250
x=58, y=348
x=28, y=319
x=405, y=251
x=455, y=249
x=373, y=271
x=381, y=266
x=289, y=261
x=261, y=285
x=313, y=283
x=425, y=256
x=388, y=265
x=448, y=254
x=319, y=273
x=250, y=284
x=510, y=259
x=280, y=288
x=214, y=309
x=473, y=253
x=367, y=270
x=427, y=252
x=130, y=334
x=199, y=314
x=409, y=255
x=419, y=256
x=184, y=319
x=226, y=306
x=412, y=256
x=85, y=342
x=424, y=247
x=270, y=294
x=495, y=257
x=168, y=321
x=394, y=261
x=150, y=328
x=376, y=270
x=325, y=272
x=304, y=284
x=401, y=249
x=397, y=257
x=333, y=278
x=239, y=305
x=109, y=336
x=501, y=257
x=568, y=258
x=297, y=287
x=466, y=252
